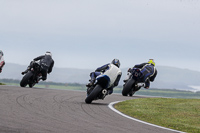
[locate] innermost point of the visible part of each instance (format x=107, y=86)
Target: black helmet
x=116, y=62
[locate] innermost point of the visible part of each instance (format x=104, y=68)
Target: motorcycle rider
x=46, y=63
x=103, y=69
x=148, y=71
x=2, y=61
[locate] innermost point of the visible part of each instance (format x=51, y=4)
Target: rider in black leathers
x=46, y=63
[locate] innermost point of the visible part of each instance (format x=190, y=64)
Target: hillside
x=167, y=78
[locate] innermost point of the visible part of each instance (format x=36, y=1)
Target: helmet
x=1, y=53
x=116, y=62
x=48, y=53
x=151, y=61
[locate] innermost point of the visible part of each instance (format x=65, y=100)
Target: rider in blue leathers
x=148, y=71
x=101, y=70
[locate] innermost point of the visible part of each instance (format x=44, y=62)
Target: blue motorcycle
x=130, y=86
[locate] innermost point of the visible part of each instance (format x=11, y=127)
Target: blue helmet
x=116, y=62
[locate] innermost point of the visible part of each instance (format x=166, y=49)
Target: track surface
x=33, y=110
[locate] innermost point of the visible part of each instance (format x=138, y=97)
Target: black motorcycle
x=32, y=77
x=130, y=86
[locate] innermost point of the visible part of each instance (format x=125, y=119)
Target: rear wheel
x=95, y=92
x=25, y=79
x=127, y=87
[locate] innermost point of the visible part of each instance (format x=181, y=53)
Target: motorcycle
x=2, y=63
x=33, y=76
x=103, y=82
x=131, y=85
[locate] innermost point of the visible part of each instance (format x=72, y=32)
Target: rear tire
x=95, y=92
x=127, y=87
x=25, y=79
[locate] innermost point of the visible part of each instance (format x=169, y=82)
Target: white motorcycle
x=103, y=82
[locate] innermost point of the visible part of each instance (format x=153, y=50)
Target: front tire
x=95, y=92
x=127, y=87
x=25, y=79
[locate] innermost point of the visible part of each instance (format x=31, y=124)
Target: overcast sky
x=90, y=33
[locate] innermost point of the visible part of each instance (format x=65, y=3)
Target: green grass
x=172, y=93
x=2, y=84
x=178, y=114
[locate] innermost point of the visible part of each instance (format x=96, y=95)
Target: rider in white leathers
x=110, y=69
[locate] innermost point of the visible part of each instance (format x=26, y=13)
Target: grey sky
x=90, y=33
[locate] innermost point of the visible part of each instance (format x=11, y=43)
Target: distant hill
x=167, y=78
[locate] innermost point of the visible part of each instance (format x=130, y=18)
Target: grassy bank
x=178, y=114
x=2, y=84
x=172, y=93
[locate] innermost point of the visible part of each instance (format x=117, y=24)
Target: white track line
x=112, y=108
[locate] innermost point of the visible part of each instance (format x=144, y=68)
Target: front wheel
x=127, y=87
x=25, y=79
x=131, y=93
x=95, y=92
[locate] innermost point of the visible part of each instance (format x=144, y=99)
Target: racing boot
x=24, y=72
x=28, y=68
x=91, y=83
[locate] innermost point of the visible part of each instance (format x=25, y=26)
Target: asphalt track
x=35, y=110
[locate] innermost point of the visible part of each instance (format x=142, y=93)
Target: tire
x=127, y=87
x=31, y=85
x=25, y=79
x=131, y=94
x=93, y=94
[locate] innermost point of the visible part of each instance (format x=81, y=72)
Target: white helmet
x=48, y=53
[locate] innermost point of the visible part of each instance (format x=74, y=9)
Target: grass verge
x=178, y=114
